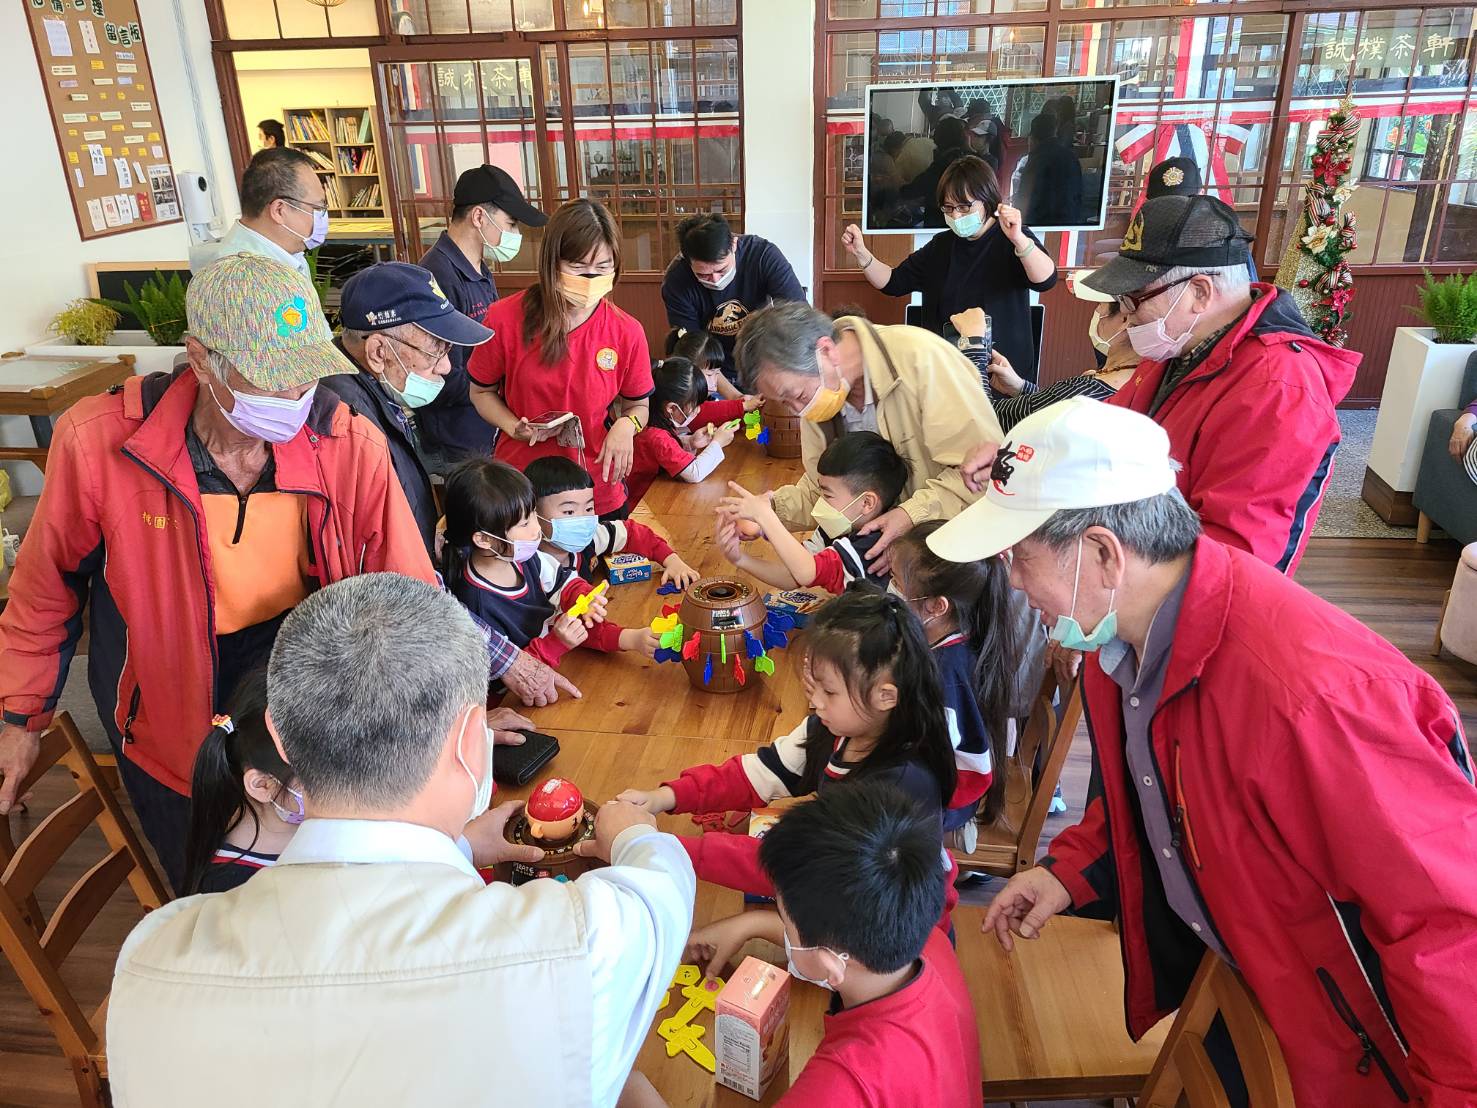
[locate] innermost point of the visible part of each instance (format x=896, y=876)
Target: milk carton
x=751, y=1030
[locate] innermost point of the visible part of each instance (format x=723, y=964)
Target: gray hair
x=1158, y=529
x=366, y=679
x=1229, y=280
x=782, y=336
x=218, y=364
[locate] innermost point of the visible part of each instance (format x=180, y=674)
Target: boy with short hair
x=564, y=499
x=859, y=893
x=861, y=476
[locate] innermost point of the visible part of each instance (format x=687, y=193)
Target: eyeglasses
x=952, y=210
x=308, y=206
x=1131, y=302
x=432, y=356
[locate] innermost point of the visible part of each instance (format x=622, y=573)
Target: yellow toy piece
x=582, y=605
x=678, y=1031
x=663, y=624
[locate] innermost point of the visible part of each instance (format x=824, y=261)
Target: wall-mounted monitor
x=1047, y=139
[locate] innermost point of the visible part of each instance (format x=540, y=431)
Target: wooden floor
x=1396, y=587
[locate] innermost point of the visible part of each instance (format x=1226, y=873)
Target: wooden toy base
x=559, y=861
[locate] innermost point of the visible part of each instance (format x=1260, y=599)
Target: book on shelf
x=320, y=162
x=357, y=161
x=366, y=197
x=307, y=127
x=365, y=133
x=334, y=193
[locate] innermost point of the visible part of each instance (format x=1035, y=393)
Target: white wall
x=779, y=128
x=272, y=80
x=41, y=254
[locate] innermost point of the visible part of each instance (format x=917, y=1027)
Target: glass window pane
x=852, y=68
x=1018, y=52
x=589, y=79
x=717, y=75
x=534, y=15
x=302, y=20
x=627, y=13
x=674, y=90
x=715, y=13
x=853, y=9
x=630, y=78
x=353, y=17
x=251, y=19
x=584, y=15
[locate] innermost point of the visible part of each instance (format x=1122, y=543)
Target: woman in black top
x=986, y=259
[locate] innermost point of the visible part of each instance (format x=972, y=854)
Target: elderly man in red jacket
x=1279, y=785
x=1232, y=372
x=195, y=510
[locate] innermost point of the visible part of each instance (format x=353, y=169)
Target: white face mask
x=1152, y=341
x=1099, y=343
x=823, y=982
x=482, y=798
x=718, y=284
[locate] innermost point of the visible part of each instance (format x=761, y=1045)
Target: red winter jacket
x=1321, y=788
x=1254, y=427
x=120, y=519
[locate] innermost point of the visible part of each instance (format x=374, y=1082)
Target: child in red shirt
x=564, y=496
x=724, y=402
x=680, y=390
x=857, y=897
x=861, y=476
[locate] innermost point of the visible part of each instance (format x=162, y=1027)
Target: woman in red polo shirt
x=562, y=346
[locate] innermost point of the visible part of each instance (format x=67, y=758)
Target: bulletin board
x=105, y=111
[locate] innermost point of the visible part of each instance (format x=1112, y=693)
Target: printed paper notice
x=89, y=36
x=125, y=175
x=81, y=181
x=57, y=39
x=110, y=211
x=99, y=161
x=95, y=213
x=161, y=184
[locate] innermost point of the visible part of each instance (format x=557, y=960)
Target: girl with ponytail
x=965, y=609
x=244, y=805
x=877, y=714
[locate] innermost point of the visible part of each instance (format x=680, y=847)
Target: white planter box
x=149, y=358
x=1423, y=377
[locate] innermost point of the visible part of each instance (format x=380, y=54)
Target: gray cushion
x=1442, y=488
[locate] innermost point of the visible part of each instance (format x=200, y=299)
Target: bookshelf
x=345, y=154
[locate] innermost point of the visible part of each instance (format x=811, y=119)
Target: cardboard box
x=625, y=568
x=751, y=1028
x=799, y=603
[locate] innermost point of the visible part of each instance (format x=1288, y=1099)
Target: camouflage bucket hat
x=263, y=317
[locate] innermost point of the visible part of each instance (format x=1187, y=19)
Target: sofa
x=1444, y=494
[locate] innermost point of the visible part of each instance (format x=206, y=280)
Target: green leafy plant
x=85, y=322
x=159, y=305
x=320, y=284
x=1450, y=306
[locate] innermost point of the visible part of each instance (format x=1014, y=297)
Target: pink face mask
x=270, y=418
x=293, y=818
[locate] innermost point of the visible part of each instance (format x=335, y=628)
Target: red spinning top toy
x=554, y=810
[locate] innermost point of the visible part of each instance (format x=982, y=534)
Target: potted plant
x=158, y=305
x=1425, y=375
x=85, y=322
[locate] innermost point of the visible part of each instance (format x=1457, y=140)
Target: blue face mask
x=573, y=533
x=1068, y=631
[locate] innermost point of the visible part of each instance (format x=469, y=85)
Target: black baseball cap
x=1197, y=231
x=389, y=294
x=488, y=184
x=1174, y=176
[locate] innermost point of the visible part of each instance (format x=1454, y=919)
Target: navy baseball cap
x=393, y=293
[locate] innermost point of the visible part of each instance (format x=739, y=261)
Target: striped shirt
x=1010, y=410
x=232, y=867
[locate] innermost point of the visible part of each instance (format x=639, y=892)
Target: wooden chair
x=35, y=946
x=1008, y=845
x=1184, y=1075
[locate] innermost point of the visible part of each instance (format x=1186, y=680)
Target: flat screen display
x=1047, y=139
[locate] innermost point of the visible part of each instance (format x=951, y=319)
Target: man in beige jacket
x=371, y=965
x=909, y=385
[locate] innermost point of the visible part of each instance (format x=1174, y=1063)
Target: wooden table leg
x=41, y=426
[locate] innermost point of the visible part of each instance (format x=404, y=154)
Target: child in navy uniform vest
x=492, y=563
x=575, y=537
x=878, y=715
x=861, y=477
x=966, y=615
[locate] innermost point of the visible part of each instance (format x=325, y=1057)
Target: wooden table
x=1050, y=1016
x=41, y=387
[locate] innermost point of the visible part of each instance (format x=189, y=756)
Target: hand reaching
x=656, y=801
x=677, y=572
x=571, y=632
x=640, y=640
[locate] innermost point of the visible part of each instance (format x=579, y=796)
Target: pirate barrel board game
x=783, y=440
x=723, y=620
x=556, y=818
